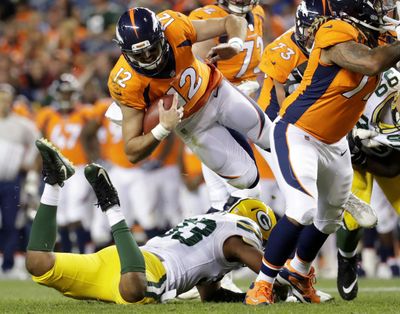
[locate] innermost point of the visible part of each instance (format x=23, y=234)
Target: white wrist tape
x=236, y=42
x=159, y=132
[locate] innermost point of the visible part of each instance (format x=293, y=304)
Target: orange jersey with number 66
x=192, y=79
x=243, y=66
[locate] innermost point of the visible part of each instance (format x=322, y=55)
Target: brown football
x=151, y=118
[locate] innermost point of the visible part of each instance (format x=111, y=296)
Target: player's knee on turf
x=38, y=263
x=132, y=286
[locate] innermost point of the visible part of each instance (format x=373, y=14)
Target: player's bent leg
x=243, y=114
x=132, y=285
x=38, y=263
x=56, y=169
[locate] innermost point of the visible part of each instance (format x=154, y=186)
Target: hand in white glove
x=366, y=137
x=393, y=25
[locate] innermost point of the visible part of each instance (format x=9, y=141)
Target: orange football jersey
x=330, y=99
x=110, y=136
x=279, y=59
x=65, y=130
x=192, y=79
x=171, y=157
x=243, y=66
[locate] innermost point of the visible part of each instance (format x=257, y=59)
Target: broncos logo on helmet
x=238, y=6
x=142, y=41
x=306, y=13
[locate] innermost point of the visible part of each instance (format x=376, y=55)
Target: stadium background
x=41, y=39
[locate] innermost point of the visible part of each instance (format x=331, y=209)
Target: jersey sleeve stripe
x=245, y=226
x=282, y=149
x=320, y=82
x=272, y=109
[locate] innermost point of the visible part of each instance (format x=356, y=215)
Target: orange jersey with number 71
x=192, y=79
x=243, y=66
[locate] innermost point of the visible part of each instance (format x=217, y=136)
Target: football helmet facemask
x=142, y=41
x=65, y=91
x=257, y=211
x=306, y=13
x=238, y=6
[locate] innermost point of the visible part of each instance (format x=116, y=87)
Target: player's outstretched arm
x=236, y=250
x=233, y=26
x=359, y=58
x=215, y=293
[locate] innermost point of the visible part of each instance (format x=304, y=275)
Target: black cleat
x=56, y=168
x=98, y=178
x=347, y=279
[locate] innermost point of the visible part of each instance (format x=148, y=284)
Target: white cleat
x=227, y=283
x=362, y=212
x=324, y=297
x=189, y=295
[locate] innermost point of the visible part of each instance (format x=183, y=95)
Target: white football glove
x=248, y=87
x=366, y=137
x=393, y=25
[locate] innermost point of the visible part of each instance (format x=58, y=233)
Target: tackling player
x=197, y=252
x=157, y=59
x=376, y=174
x=309, y=145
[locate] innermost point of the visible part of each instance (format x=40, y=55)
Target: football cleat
x=228, y=284
x=98, y=178
x=347, y=278
x=363, y=213
x=302, y=286
x=260, y=293
x=56, y=168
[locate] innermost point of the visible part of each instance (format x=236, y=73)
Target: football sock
x=114, y=215
x=281, y=244
x=300, y=266
x=44, y=227
x=347, y=240
x=310, y=242
x=347, y=254
x=130, y=256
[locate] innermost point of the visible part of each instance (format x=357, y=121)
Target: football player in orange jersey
x=309, y=145
x=156, y=60
x=62, y=123
x=241, y=70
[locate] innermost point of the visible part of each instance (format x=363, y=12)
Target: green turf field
x=375, y=296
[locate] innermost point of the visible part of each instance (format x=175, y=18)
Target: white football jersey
x=192, y=252
x=378, y=115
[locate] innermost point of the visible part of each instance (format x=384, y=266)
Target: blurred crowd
x=42, y=39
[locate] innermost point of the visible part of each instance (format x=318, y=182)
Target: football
x=151, y=118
